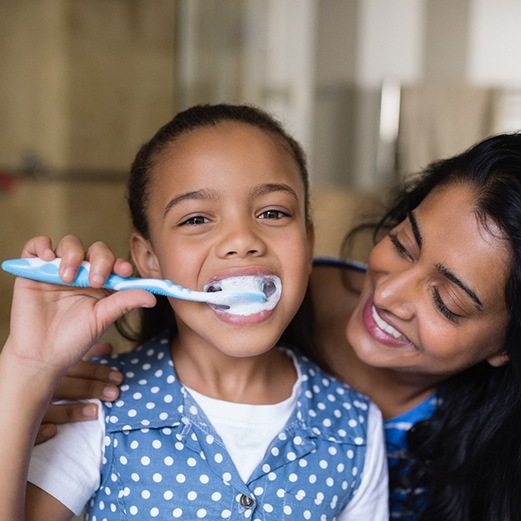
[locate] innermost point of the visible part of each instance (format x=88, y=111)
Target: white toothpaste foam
x=270, y=285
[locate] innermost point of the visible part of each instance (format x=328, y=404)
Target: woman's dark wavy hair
x=468, y=455
x=161, y=317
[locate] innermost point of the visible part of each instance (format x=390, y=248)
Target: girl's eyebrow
x=441, y=268
x=272, y=187
x=204, y=193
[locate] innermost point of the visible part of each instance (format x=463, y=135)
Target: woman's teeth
x=384, y=326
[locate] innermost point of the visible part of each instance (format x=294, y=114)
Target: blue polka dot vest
x=164, y=460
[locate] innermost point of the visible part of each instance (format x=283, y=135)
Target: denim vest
x=164, y=460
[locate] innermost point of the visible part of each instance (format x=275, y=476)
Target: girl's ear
x=144, y=257
x=498, y=360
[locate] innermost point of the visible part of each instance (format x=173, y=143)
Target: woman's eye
x=445, y=311
x=399, y=247
x=272, y=214
x=195, y=220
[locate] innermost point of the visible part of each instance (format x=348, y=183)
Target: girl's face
x=433, y=300
x=228, y=201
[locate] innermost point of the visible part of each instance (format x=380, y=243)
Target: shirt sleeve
x=68, y=466
x=371, y=500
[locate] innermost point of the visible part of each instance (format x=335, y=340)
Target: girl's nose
x=396, y=293
x=240, y=240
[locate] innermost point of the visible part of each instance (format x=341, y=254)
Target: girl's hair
x=467, y=457
x=161, y=317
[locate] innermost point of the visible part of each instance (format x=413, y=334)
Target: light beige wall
x=84, y=83
x=93, y=211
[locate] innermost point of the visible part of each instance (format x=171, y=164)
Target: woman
x=432, y=333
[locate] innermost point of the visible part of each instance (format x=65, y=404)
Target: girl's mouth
x=270, y=285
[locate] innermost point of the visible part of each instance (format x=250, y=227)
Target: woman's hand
x=84, y=380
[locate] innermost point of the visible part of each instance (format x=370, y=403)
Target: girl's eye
x=272, y=214
x=195, y=220
x=445, y=311
x=399, y=247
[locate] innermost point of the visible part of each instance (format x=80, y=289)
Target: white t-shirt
x=68, y=466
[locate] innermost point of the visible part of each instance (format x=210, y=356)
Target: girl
x=214, y=420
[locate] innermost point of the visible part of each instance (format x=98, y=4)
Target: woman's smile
x=380, y=329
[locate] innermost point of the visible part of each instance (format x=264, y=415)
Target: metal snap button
x=246, y=502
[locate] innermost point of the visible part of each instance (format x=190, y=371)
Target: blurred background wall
x=374, y=89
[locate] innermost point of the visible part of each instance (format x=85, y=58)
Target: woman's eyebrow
x=449, y=275
x=415, y=229
x=442, y=269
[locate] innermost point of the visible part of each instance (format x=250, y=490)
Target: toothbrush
x=48, y=271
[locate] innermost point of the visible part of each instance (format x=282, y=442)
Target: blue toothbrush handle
x=48, y=271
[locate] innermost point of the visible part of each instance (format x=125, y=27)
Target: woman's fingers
x=58, y=414
x=45, y=432
x=80, y=387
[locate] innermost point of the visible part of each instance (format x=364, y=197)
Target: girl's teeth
x=384, y=326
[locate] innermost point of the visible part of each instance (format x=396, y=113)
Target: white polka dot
x=227, y=476
x=293, y=477
x=287, y=510
x=123, y=460
x=192, y=495
x=154, y=512
x=134, y=477
x=201, y=513
x=157, y=477
x=145, y=460
x=216, y=496
x=133, y=510
x=169, y=461
x=218, y=458
x=267, y=507
x=177, y=512
x=168, y=495
x=204, y=479
x=191, y=462
x=157, y=444
x=180, y=478
x=226, y=514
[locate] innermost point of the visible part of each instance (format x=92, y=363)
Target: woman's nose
x=241, y=240
x=396, y=293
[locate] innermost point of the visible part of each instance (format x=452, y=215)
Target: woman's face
x=433, y=300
